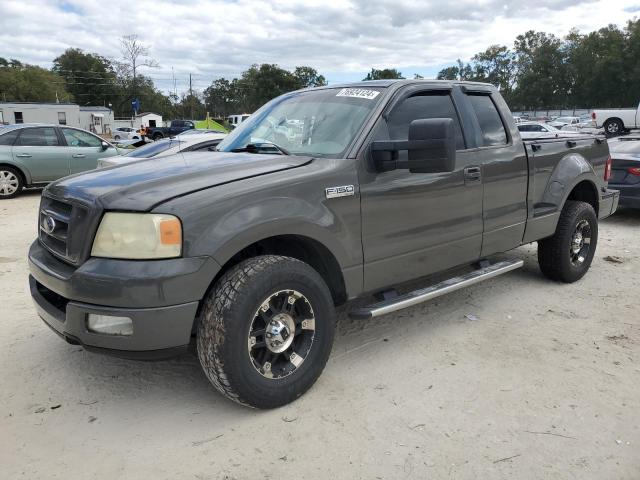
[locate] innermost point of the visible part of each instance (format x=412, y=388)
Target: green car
x=35, y=154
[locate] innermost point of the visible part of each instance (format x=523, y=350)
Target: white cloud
x=342, y=39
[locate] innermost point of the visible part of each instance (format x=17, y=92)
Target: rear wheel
x=11, y=183
x=567, y=255
x=613, y=127
x=266, y=331
x=158, y=136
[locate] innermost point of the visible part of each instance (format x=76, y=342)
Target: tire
x=157, y=136
x=567, y=256
x=11, y=182
x=117, y=137
x=250, y=298
x=613, y=127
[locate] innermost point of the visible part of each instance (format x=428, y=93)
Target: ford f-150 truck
x=324, y=195
x=616, y=121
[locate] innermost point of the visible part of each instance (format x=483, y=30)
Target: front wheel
x=567, y=255
x=266, y=331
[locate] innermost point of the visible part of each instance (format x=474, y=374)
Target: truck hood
x=142, y=185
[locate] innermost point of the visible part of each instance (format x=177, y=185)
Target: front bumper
x=160, y=297
x=608, y=203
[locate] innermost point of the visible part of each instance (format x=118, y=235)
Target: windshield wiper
x=257, y=147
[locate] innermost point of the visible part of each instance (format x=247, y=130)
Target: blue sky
x=343, y=39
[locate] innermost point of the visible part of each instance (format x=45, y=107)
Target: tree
x=222, y=98
x=496, y=65
x=308, y=77
x=542, y=76
x=89, y=77
x=385, y=73
x=134, y=56
x=28, y=83
x=261, y=83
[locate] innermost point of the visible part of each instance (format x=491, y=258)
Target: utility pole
x=190, y=98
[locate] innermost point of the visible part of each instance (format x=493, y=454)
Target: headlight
x=138, y=236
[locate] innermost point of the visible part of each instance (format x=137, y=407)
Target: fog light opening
x=108, y=325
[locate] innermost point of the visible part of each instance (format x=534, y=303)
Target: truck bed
x=552, y=162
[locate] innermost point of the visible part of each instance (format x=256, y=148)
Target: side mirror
x=431, y=148
x=104, y=146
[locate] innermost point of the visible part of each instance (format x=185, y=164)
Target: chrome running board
x=422, y=295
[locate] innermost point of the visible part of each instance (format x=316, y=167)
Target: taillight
x=607, y=170
x=634, y=171
x=593, y=115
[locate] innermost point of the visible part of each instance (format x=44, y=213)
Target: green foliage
x=598, y=69
x=384, y=74
x=89, y=77
x=255, y=87
x=28, y=83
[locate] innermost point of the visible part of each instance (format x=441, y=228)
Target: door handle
x=23, y=155
x=472, y=174
x=79, y=155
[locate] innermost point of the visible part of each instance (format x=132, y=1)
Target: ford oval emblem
x=48, y=224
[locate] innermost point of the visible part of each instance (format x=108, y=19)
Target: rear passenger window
x=38, y=137
x=423, y=105
x=493, y=132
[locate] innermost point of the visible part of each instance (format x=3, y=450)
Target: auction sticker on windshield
x=358, y=93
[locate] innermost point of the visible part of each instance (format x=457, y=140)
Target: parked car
x=625, y=155
x=125, y=133
x=174, y=128
x=616, y=121
x=530, y=130
x=165, y=147
x=199, y=131
x=562, y=121
x=252, y=246
x=35, y=154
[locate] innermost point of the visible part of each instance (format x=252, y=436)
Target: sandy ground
x=543, y=383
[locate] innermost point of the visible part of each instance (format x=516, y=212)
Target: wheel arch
x=301, y=247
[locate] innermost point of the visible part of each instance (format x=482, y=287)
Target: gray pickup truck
x=322, y=196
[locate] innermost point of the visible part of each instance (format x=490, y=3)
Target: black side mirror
x=104, y=145
x=431, y=148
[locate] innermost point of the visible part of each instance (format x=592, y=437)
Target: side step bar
x=422, y=295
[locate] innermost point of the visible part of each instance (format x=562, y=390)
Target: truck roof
x=389, y=83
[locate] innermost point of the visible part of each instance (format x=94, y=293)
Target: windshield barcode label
x=358, y=93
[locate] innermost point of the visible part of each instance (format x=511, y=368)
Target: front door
x=415, y=224
x=40, y=151
x=83, y=149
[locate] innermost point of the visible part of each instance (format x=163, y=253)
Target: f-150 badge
x=343, y=191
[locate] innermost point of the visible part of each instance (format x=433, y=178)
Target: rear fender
x=571, y=170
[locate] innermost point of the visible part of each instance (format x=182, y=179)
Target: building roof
x=90, y=108
x=39, y=103
x=142, y=114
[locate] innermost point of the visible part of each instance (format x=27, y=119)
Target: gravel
x=516, y=377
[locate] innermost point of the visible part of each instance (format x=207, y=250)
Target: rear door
x=414, y=224
x=500, y=152
x=40, y=151
x=84, y=149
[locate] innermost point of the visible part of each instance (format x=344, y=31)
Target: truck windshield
x=321, y=122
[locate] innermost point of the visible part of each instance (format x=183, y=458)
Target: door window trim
x=415, y=90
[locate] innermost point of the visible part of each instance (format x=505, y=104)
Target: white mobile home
x=34, y=112
x=97, y=119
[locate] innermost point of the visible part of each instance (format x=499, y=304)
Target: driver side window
x=434, y=104
x=78, y=138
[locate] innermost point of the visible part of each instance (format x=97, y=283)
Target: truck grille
x=58, y=222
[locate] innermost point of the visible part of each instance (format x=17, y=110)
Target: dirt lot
x=516, y=377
